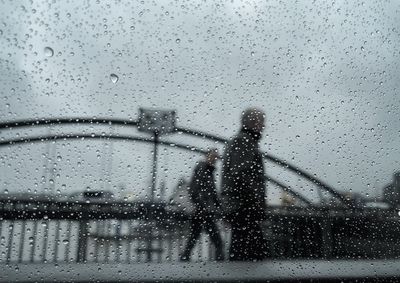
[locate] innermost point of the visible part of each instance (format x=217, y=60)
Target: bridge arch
x=36, y=123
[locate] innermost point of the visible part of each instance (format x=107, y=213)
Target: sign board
x=156, y=121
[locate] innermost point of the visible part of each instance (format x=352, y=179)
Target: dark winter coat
x=202, y=189
x=243, y=181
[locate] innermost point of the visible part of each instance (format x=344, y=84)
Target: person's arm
x=217, y=201
x=213, y=192
x=242, y=166
x=249, y=173
x=238, y=163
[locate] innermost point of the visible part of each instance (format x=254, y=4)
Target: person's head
x=253, y=119
x=212, y=156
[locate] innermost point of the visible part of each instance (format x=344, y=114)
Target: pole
x=109, y=164
x=149, y=248
x=46, y=166
x=154, y=175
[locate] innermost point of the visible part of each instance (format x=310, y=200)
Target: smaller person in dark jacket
x=203, y=194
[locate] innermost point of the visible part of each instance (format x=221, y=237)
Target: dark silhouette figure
x=203, y=193
x=243, y=189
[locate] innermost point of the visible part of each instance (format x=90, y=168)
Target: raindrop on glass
x=48, y=51
x=114, y=78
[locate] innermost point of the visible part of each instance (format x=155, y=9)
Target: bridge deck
x=271, y=271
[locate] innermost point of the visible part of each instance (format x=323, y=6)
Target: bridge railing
x=61, y=231
x=35, y=231
x=55, y=230
x=108, y=241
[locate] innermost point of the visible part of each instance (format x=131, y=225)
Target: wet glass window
x=218, y=136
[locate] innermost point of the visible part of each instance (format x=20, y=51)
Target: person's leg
x=247, y=242
x=238, y=247
x=195, y=230
x=233, y=247
x=257, y=248
x=212, y=230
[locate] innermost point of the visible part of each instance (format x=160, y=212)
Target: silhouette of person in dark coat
x=243, y=189
x=203, y=193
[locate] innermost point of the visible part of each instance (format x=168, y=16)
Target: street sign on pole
x=156, y=121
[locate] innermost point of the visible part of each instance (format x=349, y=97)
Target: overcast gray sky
x=326, y=75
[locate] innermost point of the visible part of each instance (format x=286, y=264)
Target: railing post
x=10, y=241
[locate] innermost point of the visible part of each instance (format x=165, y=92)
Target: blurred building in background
x=391, y=193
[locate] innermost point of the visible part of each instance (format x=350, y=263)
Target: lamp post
x=155, y=122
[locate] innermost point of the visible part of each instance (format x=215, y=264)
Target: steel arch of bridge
x=133, y=123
